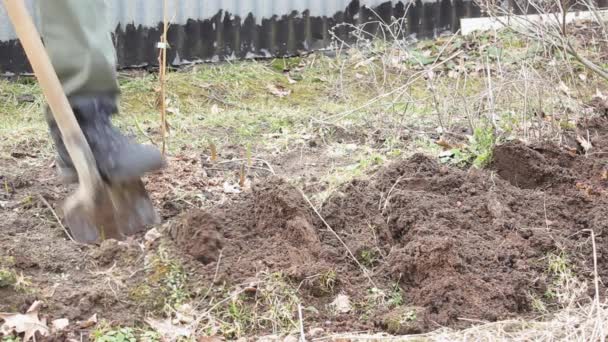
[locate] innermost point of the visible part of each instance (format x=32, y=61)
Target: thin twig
x=584, y=61
x=57, y=218
x=217, y=270
x=162, y=78
x=413, y=79
x=596, y=300
x=350, y=253
x=388, y=195
x=302, y=335
x=270, y=168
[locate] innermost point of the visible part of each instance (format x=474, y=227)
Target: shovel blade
x=133, y=207
x=117, y=211
x=91, y=220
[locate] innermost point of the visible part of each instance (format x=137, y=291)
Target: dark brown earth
x=462, y=245
x=459, y=246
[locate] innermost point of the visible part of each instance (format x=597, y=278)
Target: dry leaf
x=586, y=189
x=583, y=77
x=444, y=143
x=29, y=324
x=316, y=332
x=185, y=314
x=341, y=304
x=60, y=324
x=231, y=189
x=215, y=109
x=364, y=62
x=152, y=235
x=291, y=80
x=89, y=322
x=564, y=88
x=278, y=90
x=585, y=144
x=167, y=330
x=173, y=110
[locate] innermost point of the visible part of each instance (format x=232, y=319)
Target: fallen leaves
x=28, y=324
x=278, y=90
x=587, y=189
x=585, y=143
x=168, y=330
x=232, y=188
x=152, y=235
x=60, y=324
x=447, y=145
x=89, y=322
x=215, y=109
x=341, y=304
x=185, y=314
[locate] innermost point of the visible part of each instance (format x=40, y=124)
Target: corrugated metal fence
x=211, y=30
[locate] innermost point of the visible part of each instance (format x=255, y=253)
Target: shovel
x=97, y=210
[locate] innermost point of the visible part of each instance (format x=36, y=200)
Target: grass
x=10, y=278
x=231, y=104
x=272, y=305
x=394, y=99
x=10, y=338
x=368, y=257
x=566, y=289
x=165, y=287
x=328, y=281
x=106, y=333
x=118, y=335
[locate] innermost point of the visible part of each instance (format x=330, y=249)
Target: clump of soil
x=461, y=245
x=270, y=228
x=197, y=232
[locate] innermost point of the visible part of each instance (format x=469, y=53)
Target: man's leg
x=77, y=37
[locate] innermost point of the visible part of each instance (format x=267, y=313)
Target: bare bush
x=549, y=23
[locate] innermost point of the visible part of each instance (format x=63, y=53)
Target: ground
x=384, y=189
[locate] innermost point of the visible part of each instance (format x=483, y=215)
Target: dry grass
x=400, y=96
x=573, y=324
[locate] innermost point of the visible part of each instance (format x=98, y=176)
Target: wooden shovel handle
x=73, y=137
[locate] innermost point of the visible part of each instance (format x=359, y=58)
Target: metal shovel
x=96, y=211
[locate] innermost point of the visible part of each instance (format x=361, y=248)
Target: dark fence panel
x=225, y=36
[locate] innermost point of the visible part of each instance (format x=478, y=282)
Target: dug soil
x=459, y=246
x=416, y=246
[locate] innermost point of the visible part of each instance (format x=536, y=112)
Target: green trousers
x=77, y=37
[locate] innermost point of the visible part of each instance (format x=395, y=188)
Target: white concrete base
x=470, y=25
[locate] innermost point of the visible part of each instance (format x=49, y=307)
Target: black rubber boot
x=118, y=158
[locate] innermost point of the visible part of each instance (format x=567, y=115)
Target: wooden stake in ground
x=162, y=59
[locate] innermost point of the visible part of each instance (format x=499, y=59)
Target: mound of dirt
x=270, y=228
x=462, y=246
x=197, y=232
